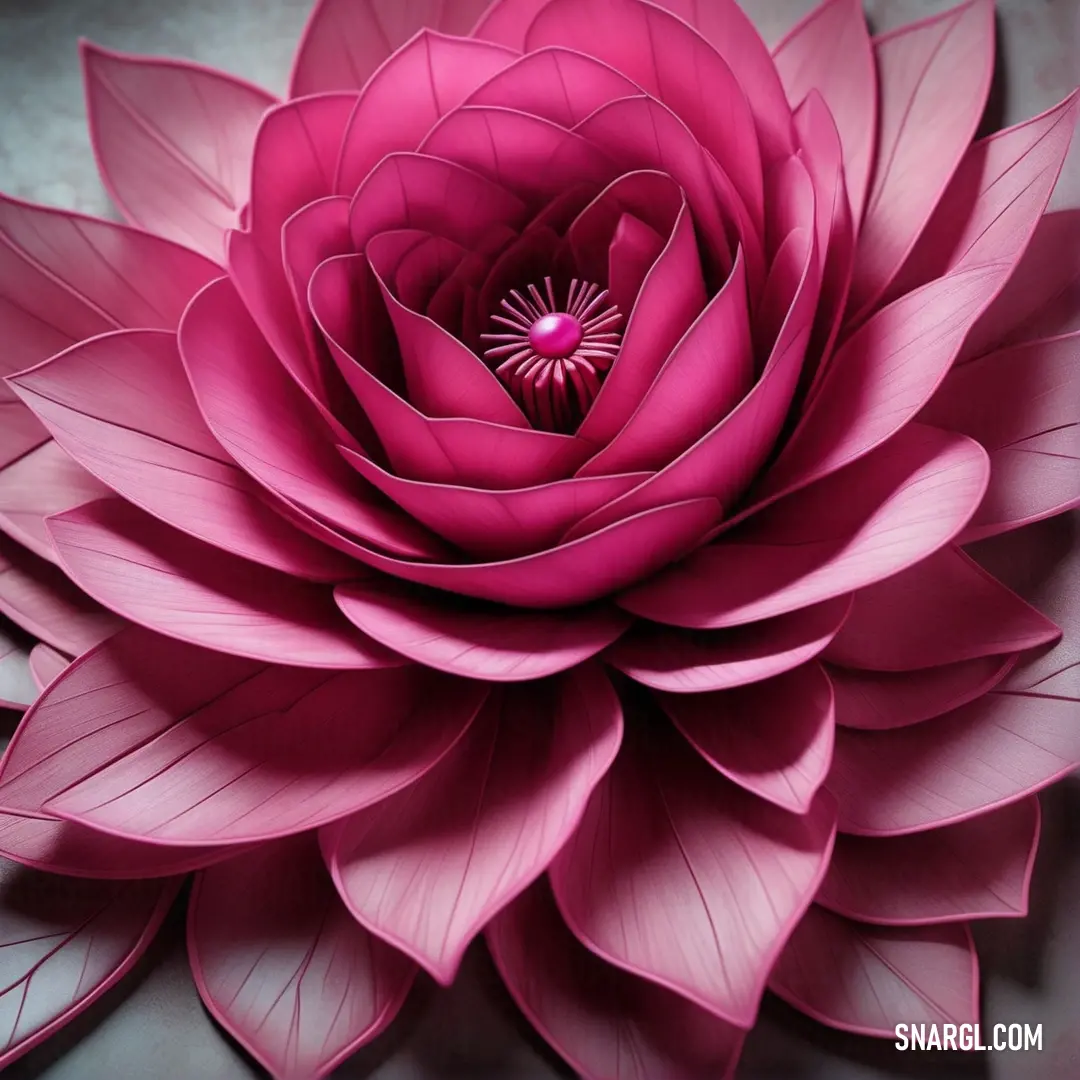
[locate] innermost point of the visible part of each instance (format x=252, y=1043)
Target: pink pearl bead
x=555, y=337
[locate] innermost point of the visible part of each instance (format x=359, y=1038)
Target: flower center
x=552, y=359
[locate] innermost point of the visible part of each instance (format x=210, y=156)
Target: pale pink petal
x=829, y=52
x=657, y=51
x=607, y=1024
x=18, y=687
x=229, y=758
x=933, y=78
x=345, y=41
x=867, y=979
x=63, y=943
x=941, y=610
x=1042, y=296
x=46, y=663
x=883, y=514
x=879, y=700
x=692, y=662
x=975, y=870
x=427, y=869
x=283, y=967
x=418, y=85
x=774, y=738
x=65, y=847
x=994, y=202
x=266, y=425
x=1023, y=405
x=665, y=832
x=37, y=596
x=43, y=482
x=173, y=143
x=495, y=645
x=120, y=405
x=991, y=752
x=573, y=572
x=160, y=578
x=20, y=430
x=882, y=376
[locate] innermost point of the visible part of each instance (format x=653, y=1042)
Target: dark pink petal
x=941, y=610
x=65, y=277
x=345, y=41
x=867, y=979
x=526, y=86
x=994, y=751
x=234, y=761
x=283, y=967
x=20, y=430
x=1023, y=405
x=1040, y=299
x=881, y=515
x=120, y=405
x=975, y=870
x=573, y=572
x=992, y=205
x=665, y=832
x=38, y=597
x=879, y=700
x=64, y=943
x=607, y=1024
x=715, y=356
x=18, y=688
x=173, y=143
x=829, y=51
x=774, y=738
x=266, y=425
x=933, y=78
x=494, y=524
x=657, y=51
x=692, y=662
x=46, y=663
x=495, y=645
x=883, y=375
x=427, y=869
x=65, y=847
x=160, y=578
x=411, y=92
x=43, y=482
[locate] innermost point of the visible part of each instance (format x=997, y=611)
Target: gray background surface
x=152, y=1026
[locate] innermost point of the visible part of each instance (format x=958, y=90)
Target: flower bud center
x=553, y=358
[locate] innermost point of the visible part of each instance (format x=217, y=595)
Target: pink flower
x=535, y=464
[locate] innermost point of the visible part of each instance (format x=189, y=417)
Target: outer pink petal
x=494, y=645
x=283, y=967
x=867, y=979
x=43, y=482
x=120, y=404
x=173, y=143
x=874, y=519
x=1023, y=405
x=246, y=766
x=829, y=51
x=665, y=832
x=975, y=870
x=877, y=701
x=941, y=610
x=345, y=41
x=46, y=663
x=427, y=869
x=266, y=425
x=38, y=597
x=774, y=738
x=934, y=77
x=607, y=1024
x=994, y=751
x=693, y=662
x=64, y=943
x=161, y=579
x=419, y=84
